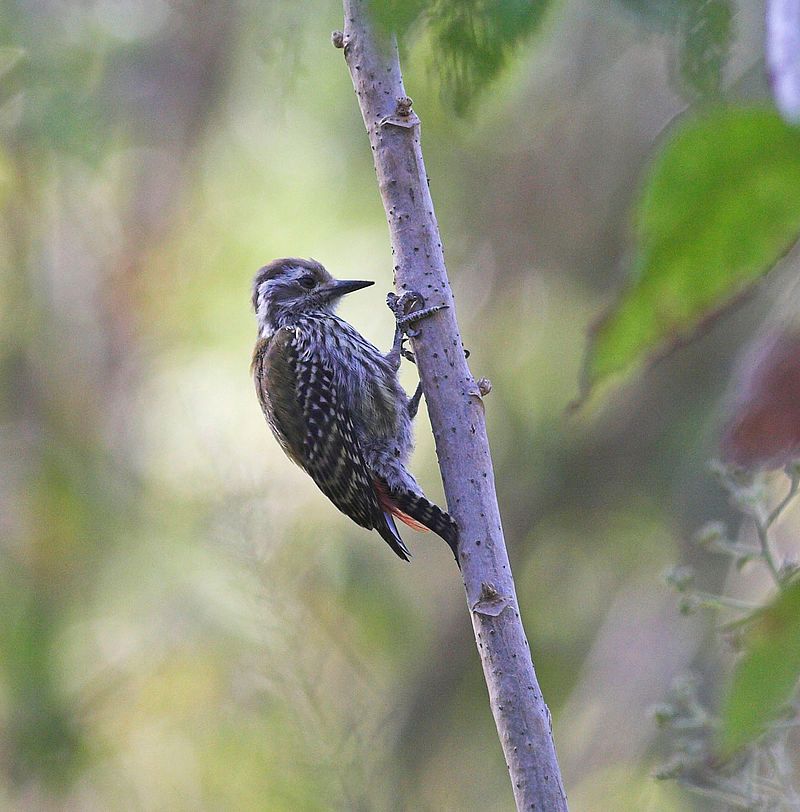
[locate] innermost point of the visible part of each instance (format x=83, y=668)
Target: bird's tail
x=418, y=512
x=390, y=535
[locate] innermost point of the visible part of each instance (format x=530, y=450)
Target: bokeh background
x=186, y=623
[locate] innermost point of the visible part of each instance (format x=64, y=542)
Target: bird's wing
x=274, y=377
x=305, y=410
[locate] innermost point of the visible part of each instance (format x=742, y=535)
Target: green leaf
x=720, y=206
x=767, y=674
x=471, y=41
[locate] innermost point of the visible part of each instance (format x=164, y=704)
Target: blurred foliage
x=720, y=206
x=763, y=428
x=187, y=624
x=742, y=756
x=706, y=35
x=702, y=32
x=658, y=15
x=766, y=677
x=469, y=42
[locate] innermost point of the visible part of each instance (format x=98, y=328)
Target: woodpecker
x=334, y=401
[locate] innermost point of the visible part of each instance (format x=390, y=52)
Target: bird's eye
x=308, y=282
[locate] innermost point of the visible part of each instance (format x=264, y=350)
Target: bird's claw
x=399, y=305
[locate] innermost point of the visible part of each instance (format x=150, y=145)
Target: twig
x=766, y=551
x=794, y=484
x=712, y=601
x=455, y=405
x=763, y=525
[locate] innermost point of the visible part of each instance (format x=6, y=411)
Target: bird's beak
x=339, y=287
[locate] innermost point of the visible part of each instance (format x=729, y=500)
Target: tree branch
x=782, y=35
x=455, y=405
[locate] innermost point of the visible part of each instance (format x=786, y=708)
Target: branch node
x=490, y=603
x=337, y=39
x=403, y=115
x=484, y=386
x=475, y=391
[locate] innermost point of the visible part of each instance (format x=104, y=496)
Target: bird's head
x=287, y=288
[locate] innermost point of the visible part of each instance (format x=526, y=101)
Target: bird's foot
x=405, y=317
x=413, y=402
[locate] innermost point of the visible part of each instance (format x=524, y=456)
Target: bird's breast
x=366, y=384
x=373, y=391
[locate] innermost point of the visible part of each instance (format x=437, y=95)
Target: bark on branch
x=455, y=405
